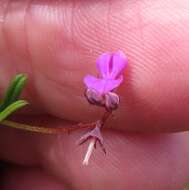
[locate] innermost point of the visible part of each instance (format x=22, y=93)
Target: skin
x=56, y=43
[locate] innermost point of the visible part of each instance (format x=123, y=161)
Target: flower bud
x=94, y=97
x=111, y=101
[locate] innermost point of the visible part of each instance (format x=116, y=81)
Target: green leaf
x=14, y=90
x=12, y=108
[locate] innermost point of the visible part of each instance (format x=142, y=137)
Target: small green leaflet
x=14, y=90
x=12, y=108
x=11, y=102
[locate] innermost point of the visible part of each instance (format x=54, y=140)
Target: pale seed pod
x=111, y=101
x=94, y=97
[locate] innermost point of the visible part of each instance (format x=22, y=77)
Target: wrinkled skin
x=57, y=43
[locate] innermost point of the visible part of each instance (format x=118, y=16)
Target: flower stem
x=105, y=118
x=43, y=130
x=89, y=151
x=94, y=135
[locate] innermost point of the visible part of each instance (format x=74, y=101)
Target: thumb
x=57, y=43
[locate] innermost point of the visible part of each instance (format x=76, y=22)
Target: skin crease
x=56, y=43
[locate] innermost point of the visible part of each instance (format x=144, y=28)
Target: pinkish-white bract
x=99, y=91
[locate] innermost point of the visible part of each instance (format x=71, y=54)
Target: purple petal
x=112, y=84
x=89, y=81
x=103, y=64
x=119, y=63
x=102, y=85
x=94, y=83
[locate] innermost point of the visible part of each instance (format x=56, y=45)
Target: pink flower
x=110, y=66
x=99, y=90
